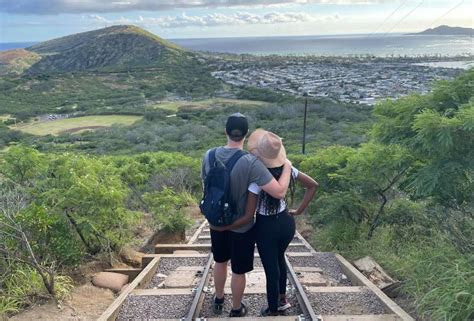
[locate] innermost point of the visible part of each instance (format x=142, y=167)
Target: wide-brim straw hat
x=268, y=147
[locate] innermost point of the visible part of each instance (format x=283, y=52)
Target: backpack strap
x=233, y=160
x=212, y=158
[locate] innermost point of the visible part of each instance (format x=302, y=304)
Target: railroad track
x=176, y=283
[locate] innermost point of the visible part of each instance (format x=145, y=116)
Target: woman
x=275, y=225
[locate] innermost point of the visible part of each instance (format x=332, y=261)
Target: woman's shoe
x=265, y=312
x=283, y=304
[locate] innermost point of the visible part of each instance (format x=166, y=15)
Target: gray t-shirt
x=248, y=169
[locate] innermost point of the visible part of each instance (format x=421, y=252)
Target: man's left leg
x=243, y=247
x=221, y=249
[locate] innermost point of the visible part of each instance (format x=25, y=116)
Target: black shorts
x=237, y=247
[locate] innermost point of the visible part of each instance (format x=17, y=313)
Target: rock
x=131, y=256
x=312, y=279
x=374, y=272
x=110, y=280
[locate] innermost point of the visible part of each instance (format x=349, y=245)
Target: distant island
x=446, y=31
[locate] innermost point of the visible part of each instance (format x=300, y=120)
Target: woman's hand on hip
x=294, y=212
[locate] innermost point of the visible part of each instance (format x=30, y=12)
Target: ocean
x=340, y=45
x=14, y=45
x=344, y=45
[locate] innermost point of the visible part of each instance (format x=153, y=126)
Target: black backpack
x=216, y=204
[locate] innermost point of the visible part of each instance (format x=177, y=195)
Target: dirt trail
x=87, y=303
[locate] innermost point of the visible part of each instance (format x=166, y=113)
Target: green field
x=175, y=106
x=75, y=125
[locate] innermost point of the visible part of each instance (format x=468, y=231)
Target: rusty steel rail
x=196, y=305
x=301, y=295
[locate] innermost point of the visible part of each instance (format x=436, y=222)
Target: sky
x=39, y=20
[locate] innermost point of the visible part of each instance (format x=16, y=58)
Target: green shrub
x=440, y=278
x=63, y=286
x=168, y=209
x=8, y=305
x=171, y=222
x=23, y=286
x=337, y=236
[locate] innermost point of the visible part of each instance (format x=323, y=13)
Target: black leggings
x=274, y=233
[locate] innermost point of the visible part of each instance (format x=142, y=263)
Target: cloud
x=45, y=7
x=216, y=19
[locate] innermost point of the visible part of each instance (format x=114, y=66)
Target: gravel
x=254, y=303
x=257, y=262
x=145, y=307
x=297, y=249
x=328, y=263
x=198, y=241
x=364, y=302
x=296, y=240
x=169, y=264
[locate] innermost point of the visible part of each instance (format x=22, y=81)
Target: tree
x=16, y=244
x=22, y=164
x=438, y=132
x=360, y=184
x=90, y=196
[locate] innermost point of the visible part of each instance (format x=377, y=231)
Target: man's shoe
x=242, y=312
x=283, y=304
x=265, y=312
x=218, y=305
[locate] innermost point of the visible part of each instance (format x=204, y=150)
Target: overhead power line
x=404, y=17
x=446, y=13
x=387, y=18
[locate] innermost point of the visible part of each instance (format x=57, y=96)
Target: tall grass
x=24, y=286
x=8, y=305
x=438, y=278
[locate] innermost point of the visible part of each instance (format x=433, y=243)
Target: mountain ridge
x=446, y=31
x=121, y=47
x=53, y=45
x=115, y=70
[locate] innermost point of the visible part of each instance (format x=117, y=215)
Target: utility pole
x=303, y=148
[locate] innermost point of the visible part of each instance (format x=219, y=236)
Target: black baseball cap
x=237, y=126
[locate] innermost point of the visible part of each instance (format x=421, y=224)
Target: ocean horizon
x=323, y=45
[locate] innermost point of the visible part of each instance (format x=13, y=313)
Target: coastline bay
x=333, y=45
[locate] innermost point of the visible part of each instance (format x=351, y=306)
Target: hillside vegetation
x=396, y=180
x=75, y=124
x=17, y=61
x=406, y=197
x=57, y=210
x=115, y=69
x=403, y=197
x=117, y=47
x=195, y=126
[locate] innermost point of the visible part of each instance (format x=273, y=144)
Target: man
x=238, y=245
